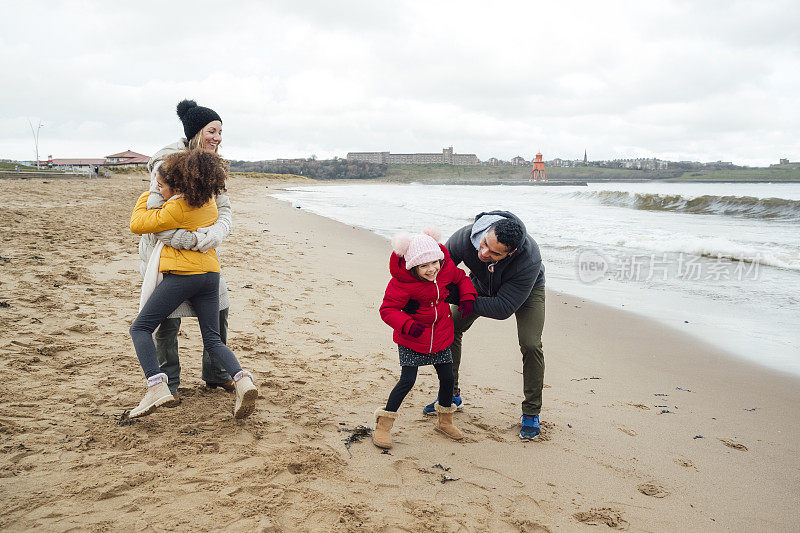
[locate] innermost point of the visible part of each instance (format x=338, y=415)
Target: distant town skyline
x=446, y=156
x=673, y=80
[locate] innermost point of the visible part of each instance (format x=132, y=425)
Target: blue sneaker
x=430, y=409
x=529, y=429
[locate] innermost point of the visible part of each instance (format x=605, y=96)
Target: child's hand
x=465, y=308
x=416, y=329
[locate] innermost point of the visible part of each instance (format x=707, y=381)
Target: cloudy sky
x=698, y=80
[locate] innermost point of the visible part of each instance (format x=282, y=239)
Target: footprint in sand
x=485, y=430
x=602, y=515
x=530, y=527
x=686, y=463
x=627, y=431
x=81, y=327
x=409, y=472
x=735, y=445
x=122, y=487
x=653, y=489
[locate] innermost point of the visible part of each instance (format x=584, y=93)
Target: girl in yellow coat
x=190, y=180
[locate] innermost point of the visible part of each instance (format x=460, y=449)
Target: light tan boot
x=246, y=394
x=174, y=402
x=157, y=395
x=444, y=422
x=382, y=437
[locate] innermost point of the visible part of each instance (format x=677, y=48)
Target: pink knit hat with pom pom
x=419, y=248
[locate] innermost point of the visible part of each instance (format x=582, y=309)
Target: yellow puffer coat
x=177, y=214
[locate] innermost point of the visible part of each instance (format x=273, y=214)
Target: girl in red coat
x=414, y=306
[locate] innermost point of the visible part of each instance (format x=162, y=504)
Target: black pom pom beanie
x=195, y=117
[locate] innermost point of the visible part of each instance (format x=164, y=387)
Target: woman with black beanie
x=203, y=129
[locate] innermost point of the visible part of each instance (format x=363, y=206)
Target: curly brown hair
x=199, y=175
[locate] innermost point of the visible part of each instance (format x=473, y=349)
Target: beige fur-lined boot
x=157, y=395
x=382, y=436
x=246, y=394
x=444, y=422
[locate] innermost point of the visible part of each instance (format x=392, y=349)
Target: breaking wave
x=742, y=206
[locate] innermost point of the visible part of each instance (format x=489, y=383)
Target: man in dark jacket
x=506, y=268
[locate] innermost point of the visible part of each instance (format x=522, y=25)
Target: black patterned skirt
x=409, y=357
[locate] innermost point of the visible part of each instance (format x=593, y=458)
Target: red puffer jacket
x=433, y=311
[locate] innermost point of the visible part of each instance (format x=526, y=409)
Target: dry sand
x=625, y=405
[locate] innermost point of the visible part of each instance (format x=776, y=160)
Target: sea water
x=720, y=261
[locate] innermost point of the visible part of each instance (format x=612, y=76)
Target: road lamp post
x=36, y=139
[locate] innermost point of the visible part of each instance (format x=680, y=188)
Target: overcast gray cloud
x=670, y=79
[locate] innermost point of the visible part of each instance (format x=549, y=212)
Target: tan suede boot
x=382, y=437
x=246, y=394
x=444, y=422
x=157, y=395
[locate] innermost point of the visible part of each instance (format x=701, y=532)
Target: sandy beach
x=644, y=428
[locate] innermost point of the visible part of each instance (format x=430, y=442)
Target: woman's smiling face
x=212, y=136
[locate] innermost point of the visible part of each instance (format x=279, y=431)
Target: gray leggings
x=202, y=291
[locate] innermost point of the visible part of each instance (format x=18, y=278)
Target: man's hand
x=207, y=238
x=452, y=297
x=416, y=329
x=465, y=308
x=411, y=307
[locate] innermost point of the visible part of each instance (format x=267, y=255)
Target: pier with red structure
x=538, y=173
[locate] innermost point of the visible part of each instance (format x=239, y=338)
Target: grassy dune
x=444, y=173
x=787, y=173
x=507, y=173
x=12, y=166
x=268, y=176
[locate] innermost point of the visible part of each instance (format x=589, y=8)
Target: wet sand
x=644, y=428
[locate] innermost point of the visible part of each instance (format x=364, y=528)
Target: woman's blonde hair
x=196, y=142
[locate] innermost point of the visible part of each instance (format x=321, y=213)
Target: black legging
x=202, y=291
x=408, y=375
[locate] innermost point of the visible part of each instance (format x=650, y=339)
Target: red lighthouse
x=538, y=173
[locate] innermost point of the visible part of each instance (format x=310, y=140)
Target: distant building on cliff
x=447, y=157
x=639, y=163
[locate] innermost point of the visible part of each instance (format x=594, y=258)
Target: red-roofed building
x=122, y=159
x=128, y=158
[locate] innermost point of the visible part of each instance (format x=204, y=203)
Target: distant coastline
x=499, y=174
x=341, y=169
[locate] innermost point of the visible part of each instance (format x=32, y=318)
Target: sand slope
x=305, y=292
